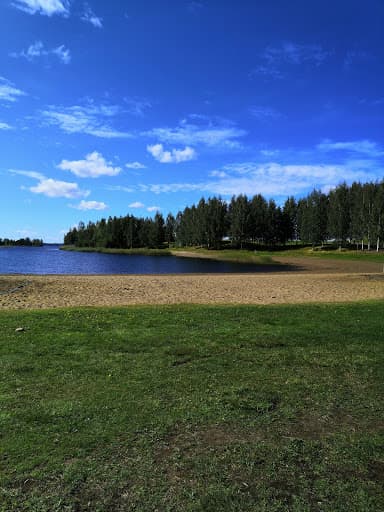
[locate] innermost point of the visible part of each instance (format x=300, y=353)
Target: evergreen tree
x=239, y=216
x=170, y=229
x=258, y=218
x=339, y=214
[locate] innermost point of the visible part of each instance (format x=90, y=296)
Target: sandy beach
x=310, y=280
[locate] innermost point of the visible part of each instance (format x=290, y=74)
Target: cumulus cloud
x=89, y=205
x=90, y=119
x=93, y=166
x=136, y=204
x=174, y=156
x=37, y=50
x=8, y=92
x=5, y=126
x=45, y=7
x=135, y=165
x=90, y=17
x=62, y=54
x=153, y=209
x=56, y=188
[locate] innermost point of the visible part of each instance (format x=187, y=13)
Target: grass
x=142, y=251
x=257, y=257
x=343, y=254
x=232, y=255
x=267, y=257
x=193, y=408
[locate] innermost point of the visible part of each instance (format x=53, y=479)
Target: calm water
x=50, y=260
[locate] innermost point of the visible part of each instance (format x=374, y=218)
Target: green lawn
x=141, y=251
x=258, y=257
x=193, y=408
x=268, y=257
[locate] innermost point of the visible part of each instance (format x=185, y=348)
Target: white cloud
x=93, y=166
x=293, y=53
x=90, y=17
x=120, y=188
x=195, y=6
x=91, y=120
x=271, y=179
x=8, y=92
x=135, y=165
x=137, y=106
x=174, y=156
x=56, y=188
x=62, y=54
x=153, y=209
x=211, y=134
x=356, y=55
x=269, y=152
x=37, y=50
x=287, y=54
x=89, y=205
x=29, y=174
x=160, y=188
x=264, y=113
x=136, y=204
x=365, y=147
x=266, y=72
x=45, y=7
x=5, y=126
x=34, y=50
x=218, y=174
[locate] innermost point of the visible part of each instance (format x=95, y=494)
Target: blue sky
x=109, y=108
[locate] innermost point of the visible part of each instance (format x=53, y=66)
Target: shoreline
x=60, y=291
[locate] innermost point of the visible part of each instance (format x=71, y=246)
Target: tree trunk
x=378, y=244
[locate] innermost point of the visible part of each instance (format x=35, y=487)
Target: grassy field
x=258, y=257
x=268, y=257
x=142, y=251
x=193, y=408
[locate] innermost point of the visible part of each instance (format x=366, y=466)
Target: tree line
x=25, y=242
x=346, y=215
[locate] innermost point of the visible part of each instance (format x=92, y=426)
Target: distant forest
x=25, y=242
x=348, y=215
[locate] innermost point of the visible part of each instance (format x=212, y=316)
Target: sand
x=309, y=280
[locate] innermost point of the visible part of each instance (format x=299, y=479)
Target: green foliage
x=348, y=215
x=193, y=408
x=23, y=242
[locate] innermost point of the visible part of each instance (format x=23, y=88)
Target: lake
x=49, y=259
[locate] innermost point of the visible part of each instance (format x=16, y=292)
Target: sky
x=137, y=106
